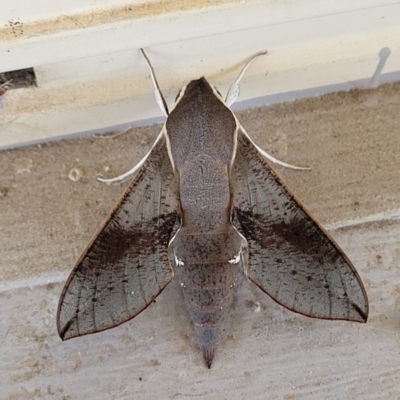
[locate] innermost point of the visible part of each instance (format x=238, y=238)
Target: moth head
x=195, y=87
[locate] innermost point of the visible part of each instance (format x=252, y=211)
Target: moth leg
x=234, y=90
x=273, y=159
x=157, y=92
x=112, y=135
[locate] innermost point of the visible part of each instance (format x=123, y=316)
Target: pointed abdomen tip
x=208, y=354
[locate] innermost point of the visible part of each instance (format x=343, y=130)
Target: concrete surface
x=351, y=141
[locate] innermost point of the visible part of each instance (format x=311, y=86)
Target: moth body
x=206, y=244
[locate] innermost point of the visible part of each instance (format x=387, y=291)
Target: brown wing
x=125, y=266
x=290, y=256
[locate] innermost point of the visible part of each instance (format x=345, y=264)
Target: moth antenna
x=273, y=159
x=125, y=176
x=157, y=92
x=129, y=174
x=234, y=90
x=276, y=161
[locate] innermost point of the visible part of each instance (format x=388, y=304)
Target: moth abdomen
x=208, y=291
x=208, y=312
x=206, y=266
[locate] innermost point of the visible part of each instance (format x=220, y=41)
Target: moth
x=203, y=205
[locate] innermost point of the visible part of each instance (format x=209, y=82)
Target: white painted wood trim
x=91, y=75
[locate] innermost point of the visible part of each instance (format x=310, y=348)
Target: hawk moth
x=203, y=204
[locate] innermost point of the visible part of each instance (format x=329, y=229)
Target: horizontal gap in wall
x=20, y=78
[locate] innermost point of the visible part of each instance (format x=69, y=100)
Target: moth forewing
x=125, y=266
x=291, y=257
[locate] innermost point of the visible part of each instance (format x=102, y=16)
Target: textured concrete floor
x=351, y=141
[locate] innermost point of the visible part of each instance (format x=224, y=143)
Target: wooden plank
x=92, y=77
